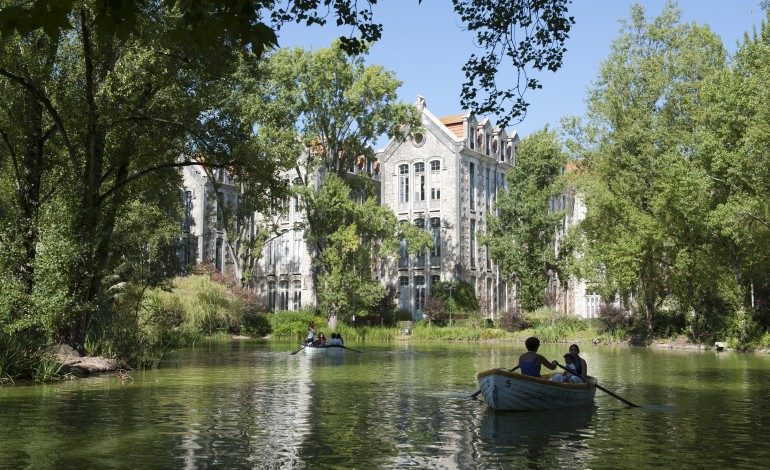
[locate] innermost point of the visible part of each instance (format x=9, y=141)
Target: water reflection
x=254, y=405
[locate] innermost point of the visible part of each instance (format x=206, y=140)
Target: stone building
x=446, y=180
x=203, y=237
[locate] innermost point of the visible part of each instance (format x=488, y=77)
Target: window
x=472, y=178
x=284, y=296
x=487, y=138
x=297, y=255
x=403, y=183
x=435, y=180
x=419, y=186
x=420, y=258
x=297, y=303
x=419, y=292
x=187, y=210
x=473, y=243
x=435, y=230
x=220, y=209
x=271, y=296
x=418, y=139
x=487, y=190
x=403, y=292
x=435, y=279
x=218, y=255
x=472, y=135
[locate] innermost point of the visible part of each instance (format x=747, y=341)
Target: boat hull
x=505, y=390
x=328, y=350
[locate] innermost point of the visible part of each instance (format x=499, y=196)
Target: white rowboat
x=505, y=390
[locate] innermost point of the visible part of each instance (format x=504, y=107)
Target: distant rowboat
x=329, y=349
x=505, y=390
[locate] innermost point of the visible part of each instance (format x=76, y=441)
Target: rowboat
x=330, y=350
x=506, y=390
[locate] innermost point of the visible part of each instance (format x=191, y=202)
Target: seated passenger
x=568, y=376
x=335, y=340
x=321, y=340
x=530, y=361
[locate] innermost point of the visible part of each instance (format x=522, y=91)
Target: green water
x=251, y=404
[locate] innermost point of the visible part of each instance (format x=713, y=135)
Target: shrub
x=613, y=319
x=512, y=320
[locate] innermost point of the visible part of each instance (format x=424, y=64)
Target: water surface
x=252, y=404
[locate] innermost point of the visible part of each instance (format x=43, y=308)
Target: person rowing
x=530, y=361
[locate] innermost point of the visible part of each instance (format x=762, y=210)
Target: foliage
x=652, y=167
x=293, y=324
x=512, y=319
x=531, y=33
x=435, y=310
x=521, y=236
x=613, y=319
x=463, y=296
x=20, y=355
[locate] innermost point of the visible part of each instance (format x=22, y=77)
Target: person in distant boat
x=310, y=332
x=581, y=368
x=530, y=361
x=342, y=341
x=321, y=340
x=335, y=340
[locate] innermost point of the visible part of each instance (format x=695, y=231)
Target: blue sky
x=426, y=47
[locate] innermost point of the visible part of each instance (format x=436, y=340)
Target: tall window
x=473, y=243
x=187, y=210
x=285, y=251
x=487, y=189
x=297, y=288
x=472, y=135
x=419, y=181
x=419, y=261
x=218, y=255
x=220, y=210
x=435, y=180
x=419, y=292
x=472, y=178
x=435, y=230
x=297, y=255
x=403, y=292
x=271, y=296
x=283, y=303
x=403, y=183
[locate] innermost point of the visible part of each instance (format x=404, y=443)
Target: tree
x=102, y=114
x=521, y=236
x=644, y=237
x=355, y=237
x=518, y=36
x=339, y=107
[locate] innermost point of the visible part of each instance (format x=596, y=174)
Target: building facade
x=445, y=179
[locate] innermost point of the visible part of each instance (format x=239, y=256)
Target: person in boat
x=320, y=341
x=335, y=340
x=530, y=361
x=310, y=332
x=568, y=376
x=581, y=368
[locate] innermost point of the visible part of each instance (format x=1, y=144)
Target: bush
x=613, y=319
x=513, y=320
x=286, y=324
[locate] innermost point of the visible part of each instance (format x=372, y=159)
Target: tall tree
x=522, y=233
x=646, y=195
x=340, y=106
x=519, y=37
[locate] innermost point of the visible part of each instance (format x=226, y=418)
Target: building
x=203, y=239
x=446, y=180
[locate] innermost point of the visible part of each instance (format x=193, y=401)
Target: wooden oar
x=479, y=390
x=300, y=349
x=341, y=346
x=601, y=388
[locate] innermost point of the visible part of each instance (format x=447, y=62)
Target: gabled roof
x=454, y=123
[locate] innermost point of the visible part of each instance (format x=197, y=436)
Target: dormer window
x=471, y=136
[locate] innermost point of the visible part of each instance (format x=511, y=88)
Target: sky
x=426, y=47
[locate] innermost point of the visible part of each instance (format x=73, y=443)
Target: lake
x=252, y=404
